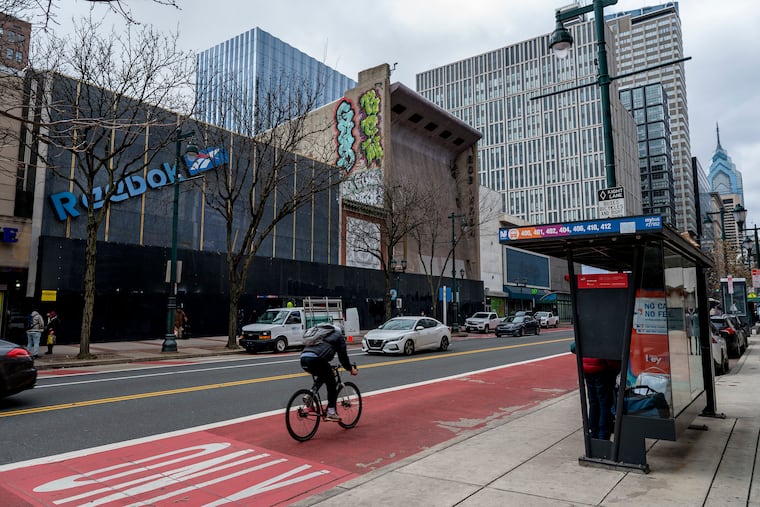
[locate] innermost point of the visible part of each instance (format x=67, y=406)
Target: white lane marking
x=152, y=438
x=161, y=374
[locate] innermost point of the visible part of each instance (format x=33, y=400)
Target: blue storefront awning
x=526, y=294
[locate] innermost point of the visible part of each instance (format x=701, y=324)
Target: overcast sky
x=722, y=77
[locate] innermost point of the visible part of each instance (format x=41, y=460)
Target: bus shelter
x=645, y=304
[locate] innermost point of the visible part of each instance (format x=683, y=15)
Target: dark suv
x=732, y=331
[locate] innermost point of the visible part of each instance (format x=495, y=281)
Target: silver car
x=405, y=335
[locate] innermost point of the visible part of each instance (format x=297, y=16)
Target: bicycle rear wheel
x=349, y=405
x=302, y=415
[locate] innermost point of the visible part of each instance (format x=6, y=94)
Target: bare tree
x=44, y=12
x=433, y=239
x=378, y=232
x=103, y=97
x=264, y=182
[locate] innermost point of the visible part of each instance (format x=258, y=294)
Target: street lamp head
x=561, y=40
x=192, y=150
x=403, y=264
x=740, y=215
x=461, y=272
x=748, y=243
x=393, y=264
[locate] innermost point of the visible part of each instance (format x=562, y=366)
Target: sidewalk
x=531, y=457
x=65, y=356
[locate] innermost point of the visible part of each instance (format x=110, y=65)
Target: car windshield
x=267, y=317
x=542, y=314
x=480, y=315
x=398, y=324
x=280, y=317
x=514, y=319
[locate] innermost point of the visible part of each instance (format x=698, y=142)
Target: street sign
x=611, y=202
x=756, y=278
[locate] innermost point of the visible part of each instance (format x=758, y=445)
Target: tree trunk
x=235, y=292
x=388, y=307
x=91, y=255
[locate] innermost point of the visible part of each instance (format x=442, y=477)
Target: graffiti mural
x=371, y=144
x=344, y=124
x=365, y=187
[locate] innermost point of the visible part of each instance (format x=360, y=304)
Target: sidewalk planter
x=649, y=311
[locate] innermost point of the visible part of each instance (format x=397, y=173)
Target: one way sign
x=611, y=202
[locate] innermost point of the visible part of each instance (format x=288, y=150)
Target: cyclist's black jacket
x=330, y=344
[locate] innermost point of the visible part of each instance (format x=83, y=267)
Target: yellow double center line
x=222, y=385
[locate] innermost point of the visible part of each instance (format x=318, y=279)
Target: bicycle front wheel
x=302, y=415
x=349, y=405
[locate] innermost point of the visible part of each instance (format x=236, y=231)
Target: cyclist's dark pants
x=322, y=369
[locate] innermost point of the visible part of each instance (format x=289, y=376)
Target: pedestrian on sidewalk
x=36, y=327
x=51, y=330
x=599, y=376
x=180, y=321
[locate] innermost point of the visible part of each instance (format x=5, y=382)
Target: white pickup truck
x=278, y=329
x=482, y=321
x=547, y=319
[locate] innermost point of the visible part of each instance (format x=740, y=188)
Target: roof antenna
x=394, y=67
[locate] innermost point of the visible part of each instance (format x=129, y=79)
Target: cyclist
x=322, y=342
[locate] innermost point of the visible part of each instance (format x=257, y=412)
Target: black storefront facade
x=132, y=294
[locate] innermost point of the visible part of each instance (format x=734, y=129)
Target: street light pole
x=455, y=313
x=561, y=41
x=170, y=341
x=398, y=272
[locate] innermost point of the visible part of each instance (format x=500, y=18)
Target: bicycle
x=305, y=409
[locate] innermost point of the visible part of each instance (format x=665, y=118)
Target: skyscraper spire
x=717, y=131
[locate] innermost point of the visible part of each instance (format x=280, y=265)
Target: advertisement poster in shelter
x=649, y=338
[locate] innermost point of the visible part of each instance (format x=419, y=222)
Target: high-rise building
x=234, y=79
x=644, y=38
x=726, y=181
x=649, y=106
x=545, y=156
x=14, y=42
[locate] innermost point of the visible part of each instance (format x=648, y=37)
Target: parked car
x=731, y=330
x=547, y=319
x=405, y=335
x=518, y=326
x=482, y=321
x=744, y=323
x=719, y=350
x=17, y=371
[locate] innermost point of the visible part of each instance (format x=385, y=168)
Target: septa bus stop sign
x=611, y=202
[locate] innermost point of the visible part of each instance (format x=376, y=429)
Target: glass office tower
x=249, y=66
x=650, y=36
x=649, y=106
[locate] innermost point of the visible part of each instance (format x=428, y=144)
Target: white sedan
x=405, y=335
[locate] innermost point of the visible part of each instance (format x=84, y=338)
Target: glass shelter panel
x=665, y=349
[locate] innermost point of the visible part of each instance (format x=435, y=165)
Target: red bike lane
x=255, y=462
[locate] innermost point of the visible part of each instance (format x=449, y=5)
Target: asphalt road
x=71, y=412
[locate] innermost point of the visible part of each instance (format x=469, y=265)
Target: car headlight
x=396, y=338
x=265, y=333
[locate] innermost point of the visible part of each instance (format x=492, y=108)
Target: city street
x=220, y=422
